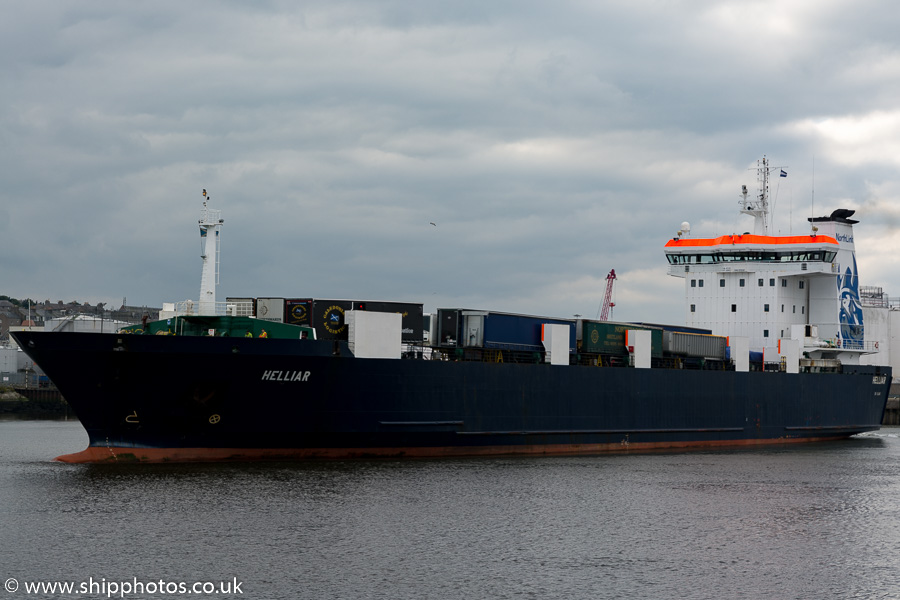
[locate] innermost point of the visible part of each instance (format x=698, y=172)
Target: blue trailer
x=461, y=328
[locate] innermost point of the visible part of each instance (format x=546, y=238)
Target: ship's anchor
x=132, y=418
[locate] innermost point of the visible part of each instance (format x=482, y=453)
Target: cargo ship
x=770, y=354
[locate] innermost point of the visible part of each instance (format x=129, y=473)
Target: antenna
x=812, y=205
x=759, y=207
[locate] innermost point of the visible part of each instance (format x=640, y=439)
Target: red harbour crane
x=607, y=300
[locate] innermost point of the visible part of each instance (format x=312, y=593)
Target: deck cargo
x=270, y=309
x=240, y=307
x=598, y=337
x=328, y=318
x=681, y=328
x=411, y=313
x=694, y=345
x=298, y=311
x=496, y=330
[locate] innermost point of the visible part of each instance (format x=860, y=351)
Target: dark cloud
x=548, y=143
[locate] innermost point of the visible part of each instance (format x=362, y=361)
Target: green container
x=601, y=337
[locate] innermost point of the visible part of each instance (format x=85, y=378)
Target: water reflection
x=794, y=522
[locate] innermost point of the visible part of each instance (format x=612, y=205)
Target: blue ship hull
x=160, y=398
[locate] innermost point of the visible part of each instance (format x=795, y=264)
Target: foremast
x=210, y=223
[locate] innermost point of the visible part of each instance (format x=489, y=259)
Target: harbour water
x=801, y=521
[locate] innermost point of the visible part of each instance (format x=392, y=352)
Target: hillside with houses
x=23, y=313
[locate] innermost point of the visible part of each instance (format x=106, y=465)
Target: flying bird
x=433, y=223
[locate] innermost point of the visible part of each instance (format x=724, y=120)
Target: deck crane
x=607, y=299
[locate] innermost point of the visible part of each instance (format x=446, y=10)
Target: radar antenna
x=758, y=207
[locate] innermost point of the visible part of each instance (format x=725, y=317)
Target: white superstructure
x=799, y=291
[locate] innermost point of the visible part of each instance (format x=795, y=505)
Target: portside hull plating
x=161, y=398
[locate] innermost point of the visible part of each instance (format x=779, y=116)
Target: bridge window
x=750, y=255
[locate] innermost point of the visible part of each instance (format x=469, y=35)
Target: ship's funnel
x=840, y=316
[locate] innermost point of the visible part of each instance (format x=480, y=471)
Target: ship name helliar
x=285, y=375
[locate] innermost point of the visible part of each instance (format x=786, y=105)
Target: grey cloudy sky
x=548, y=142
